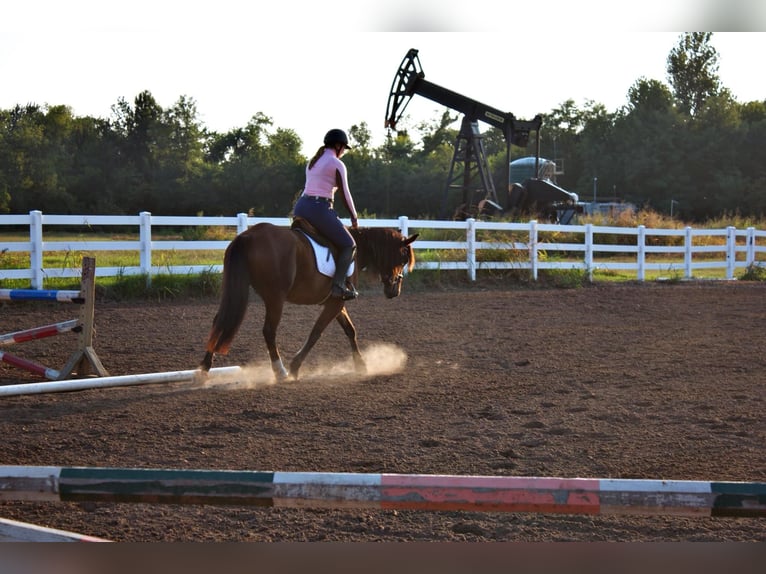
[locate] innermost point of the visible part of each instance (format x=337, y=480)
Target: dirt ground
x=626, y=381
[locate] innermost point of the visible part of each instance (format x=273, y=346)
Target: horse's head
x=389, y=252
x=402, y=256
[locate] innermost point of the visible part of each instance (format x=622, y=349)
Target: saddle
x=303, y=225
x=325, y=251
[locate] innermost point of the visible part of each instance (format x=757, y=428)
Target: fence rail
x=482, y=245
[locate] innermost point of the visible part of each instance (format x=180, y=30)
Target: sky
x=312, y=66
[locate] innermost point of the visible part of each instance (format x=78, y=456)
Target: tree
x=559, y=137
x=361, y=137
x=649, y=95
x=692, y=68
x=38, y=151
x=141, y=138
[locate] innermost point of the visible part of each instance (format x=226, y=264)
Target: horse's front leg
x=350, y=330
x=329, y=312
x=270, y=325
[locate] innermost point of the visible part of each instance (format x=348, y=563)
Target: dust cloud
x=381, y=359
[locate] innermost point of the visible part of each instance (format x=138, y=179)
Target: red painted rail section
x=31, y=366
x=385, y=491
x=39, y=332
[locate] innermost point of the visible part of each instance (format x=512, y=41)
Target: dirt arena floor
x=655, y=381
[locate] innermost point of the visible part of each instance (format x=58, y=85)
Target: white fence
x=486, y=245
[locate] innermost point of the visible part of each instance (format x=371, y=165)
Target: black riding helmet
x=336, y=136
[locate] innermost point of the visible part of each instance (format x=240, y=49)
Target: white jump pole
x=103, y=382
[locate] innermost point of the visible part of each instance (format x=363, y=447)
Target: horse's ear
x=405, y=243
x=410, y=239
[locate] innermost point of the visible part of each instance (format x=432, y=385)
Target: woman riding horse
x=325, y=173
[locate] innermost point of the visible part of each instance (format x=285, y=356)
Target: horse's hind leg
x=270, y=325
x=201, y=374
x=350, y=330
x=207, y=362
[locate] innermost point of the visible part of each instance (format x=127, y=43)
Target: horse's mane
x=382, y=248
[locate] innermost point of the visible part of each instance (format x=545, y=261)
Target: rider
x=325, y=173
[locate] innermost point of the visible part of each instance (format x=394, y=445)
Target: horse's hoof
x=280, y=373
x=200, y=377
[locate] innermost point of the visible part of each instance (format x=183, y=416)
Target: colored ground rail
x=385, y=491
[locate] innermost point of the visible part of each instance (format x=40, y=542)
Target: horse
x=280, y=265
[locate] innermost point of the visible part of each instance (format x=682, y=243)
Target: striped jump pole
x=40, y=295
x=60, y=386
x=39, y=332
x=31, y=335
x=31, y=366
x=385, y=491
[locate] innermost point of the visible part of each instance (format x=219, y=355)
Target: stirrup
x=344, y=292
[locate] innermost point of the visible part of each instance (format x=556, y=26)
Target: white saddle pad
x=325, y=260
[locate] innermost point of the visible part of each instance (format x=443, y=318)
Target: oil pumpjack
x=469, y=171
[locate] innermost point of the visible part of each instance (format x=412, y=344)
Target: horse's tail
x=235, y=292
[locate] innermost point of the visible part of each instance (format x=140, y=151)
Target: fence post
x=470, y=233
x=532, y=245
x=641, y=256
x=241, y=222
x=36, y=255
x=404, y=225
x=688, y=239
x=145, y=249
x=731, y=251
x=750, y=257
x=589, y=250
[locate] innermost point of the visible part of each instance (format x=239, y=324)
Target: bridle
x=391, y=279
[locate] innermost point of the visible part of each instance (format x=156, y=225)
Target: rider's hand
x=354, y=223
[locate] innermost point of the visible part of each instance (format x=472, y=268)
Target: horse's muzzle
x=392, y=285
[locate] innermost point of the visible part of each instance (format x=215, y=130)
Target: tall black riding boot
x=341, y=288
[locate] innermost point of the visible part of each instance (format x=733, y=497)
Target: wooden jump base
x=84, y=360
x=103, y=382
x=385, y=491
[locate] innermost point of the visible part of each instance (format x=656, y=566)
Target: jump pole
x=61, y=296
x=385, y=491
x=57, y=386
x=31, y=366
x=39, y=332
x=31, y=335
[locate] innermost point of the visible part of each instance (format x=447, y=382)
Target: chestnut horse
x=279, y=264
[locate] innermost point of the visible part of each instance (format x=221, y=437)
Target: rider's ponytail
x=316, y=157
